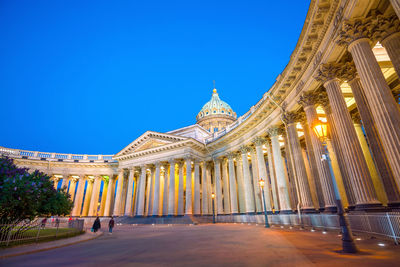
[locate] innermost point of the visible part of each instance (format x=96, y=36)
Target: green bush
x=26, y=196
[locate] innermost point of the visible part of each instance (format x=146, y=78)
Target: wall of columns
x=276, y=142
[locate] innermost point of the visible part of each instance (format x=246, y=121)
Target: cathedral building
x=343, y=71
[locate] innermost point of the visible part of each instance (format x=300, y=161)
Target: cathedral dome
x=215, y=114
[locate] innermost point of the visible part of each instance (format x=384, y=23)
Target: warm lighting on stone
x=262, y=183
x=321, y=129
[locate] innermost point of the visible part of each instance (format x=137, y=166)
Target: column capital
x=355, y=116
x=327, y=72
x=180, y=163
x=172, y=161
x=274, y=131
x=384, y=26
x=216, y=159
x=157, y=164
x=348, y=71
x=82, y=176
x=231, y=155
x=244, y=149
x=258, y=141
x=290, y=117
x=91, y=179
x=308, y=99
x=353, y=30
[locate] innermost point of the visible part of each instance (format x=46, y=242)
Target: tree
x=26, y=196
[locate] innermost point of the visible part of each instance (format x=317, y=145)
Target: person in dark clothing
x=111, y=225
x=96, y=225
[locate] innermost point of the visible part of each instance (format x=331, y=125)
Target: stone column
x=262, y=171
x=188, y=202
x=79, y=196
x=375, y=144
x=204, y=189
x=94, y=199
x=380, y=192
x=72, y=187
x=272, y=177
x=196, y=204
x=314, y=179
x=150, y=191
x=386, y=116
x=171, y=194
x=358, y=170
x=55, y=182
x=240, y=184
x=344, y=184
x=217, y=184
x=110, y=196
x=280, y=172
x=118, y=197
x=129, y=194
x=301, y=173
x=88, y=195
x=180, y=189
x=386, y=29
x=248, y=191
x=227, y=204
x=308, y=101
x=166, y=191
x=104, y=187
x=156, y=197
x=209, y=186
x=225, y=186
x=141, y=191
x=396, y=7
x=290, y=172
x=65, y=182
x=232, y=184
x=255, y=180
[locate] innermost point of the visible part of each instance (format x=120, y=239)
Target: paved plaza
x=211, y=245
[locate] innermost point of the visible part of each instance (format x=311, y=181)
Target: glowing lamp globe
x=321, y=129
x=262, y=183
x=212, y=195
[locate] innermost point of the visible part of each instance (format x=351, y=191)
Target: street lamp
x=213, y=197
x=321, y=130
x=262, y=183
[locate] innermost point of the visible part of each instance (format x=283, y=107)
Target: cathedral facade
x=344, y=71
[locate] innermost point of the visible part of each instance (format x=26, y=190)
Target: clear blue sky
x=91, y=76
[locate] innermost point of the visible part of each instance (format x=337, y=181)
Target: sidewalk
x=32, y=248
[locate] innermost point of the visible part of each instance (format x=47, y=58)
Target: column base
x=370, y=207
x=310, y=210
x=284, y=212
x=330, y=209
x=394, y=205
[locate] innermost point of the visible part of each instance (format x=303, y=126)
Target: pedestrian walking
x=111, y=225
x=96, y=225
x=44, y=221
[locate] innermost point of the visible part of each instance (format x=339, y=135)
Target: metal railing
x=19, y=153
x=384, y=225
x=38, y=230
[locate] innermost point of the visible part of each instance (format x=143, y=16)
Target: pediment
x=150, y=140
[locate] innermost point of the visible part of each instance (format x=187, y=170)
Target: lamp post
x=321, y=130
x=213, y=197
x=262, y=183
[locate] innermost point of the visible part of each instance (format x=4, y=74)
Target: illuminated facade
x=344, y=70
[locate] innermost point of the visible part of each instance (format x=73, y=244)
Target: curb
x=49, y=248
